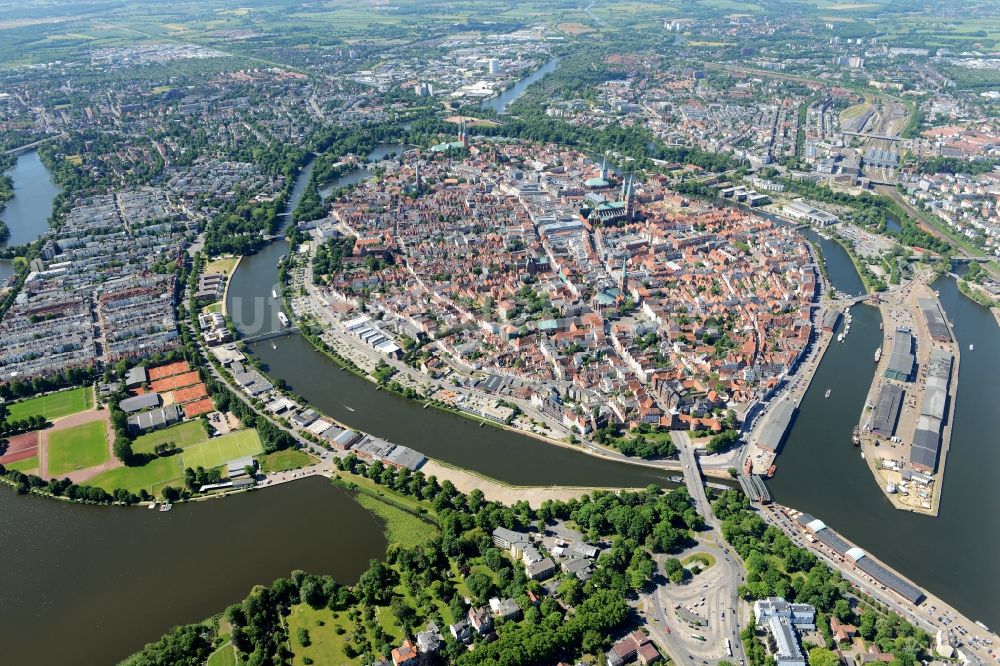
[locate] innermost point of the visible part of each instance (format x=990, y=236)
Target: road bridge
x=31, y=146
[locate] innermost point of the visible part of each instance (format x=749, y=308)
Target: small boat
x=283, y=318
x=771, y=470
x=152, y=505
x=274, y=293
x=676, y=478
x=827, y=394
x=856, y=436
x=840, y=338
x=972, y=347
x=862, y=455
x=166, y=507
x=878, y=354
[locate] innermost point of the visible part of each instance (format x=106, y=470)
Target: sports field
x=183, y=435
x=221, y=450
x=54, y=405
x=151, y=476
x=24, y=465
x=76, y=448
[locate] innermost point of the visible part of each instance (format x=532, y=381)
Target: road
x=712, y=594
x=930, y=615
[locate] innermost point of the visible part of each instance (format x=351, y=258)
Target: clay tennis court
x=190, y=393
x=203, y=406
x=175, y=382
x=161, y=371
x=20, y=447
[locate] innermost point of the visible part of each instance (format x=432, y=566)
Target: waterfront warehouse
x=901, y=359
x=772, y=432
x=936, y=325
x=887, y=408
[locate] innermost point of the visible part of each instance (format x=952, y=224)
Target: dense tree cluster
x=778, y=567
x=329, y=258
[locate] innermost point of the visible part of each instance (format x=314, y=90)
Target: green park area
x=26, y=465
x=220, y=450
x=151, y=477
x=280, y=461
x=224, y=656
x=53, y=405
x=78, y=447
x=183, y=435
x=169, y=470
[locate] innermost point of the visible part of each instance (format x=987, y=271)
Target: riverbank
x=467, y=481
x=759, y=458
x=889, y=454
x=929, y=614
x=229, y=280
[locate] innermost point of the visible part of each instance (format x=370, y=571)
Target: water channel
x=27, y=214
x=820, y=472
x=503, y=100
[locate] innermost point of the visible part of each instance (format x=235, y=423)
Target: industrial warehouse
x=817, y=530
x=933, y=408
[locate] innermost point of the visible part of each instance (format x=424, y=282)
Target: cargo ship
x=878, y=354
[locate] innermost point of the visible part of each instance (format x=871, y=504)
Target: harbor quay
x=956, y=635
x=904, y=430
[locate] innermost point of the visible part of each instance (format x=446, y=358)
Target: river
x=27, y=214
x=503, y=100
x=820, y=472
x=90, y=585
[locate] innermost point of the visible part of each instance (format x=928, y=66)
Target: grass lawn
x=401, y=526
x=327, y=645
x=224, y=656
x=220, y=450
x=183, y=435
x=704, y=558
x=221, y=265
x=151, y=476
x=76, y=448
x=54, y=405
x=279, y=461
x=26, y=465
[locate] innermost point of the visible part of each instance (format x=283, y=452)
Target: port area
x=950, y=628
x=767, y=430
x=904, y=429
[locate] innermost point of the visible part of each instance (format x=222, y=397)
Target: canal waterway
x=27, y=214
x=90, y=585
x=954, y=555
x=504, y=99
